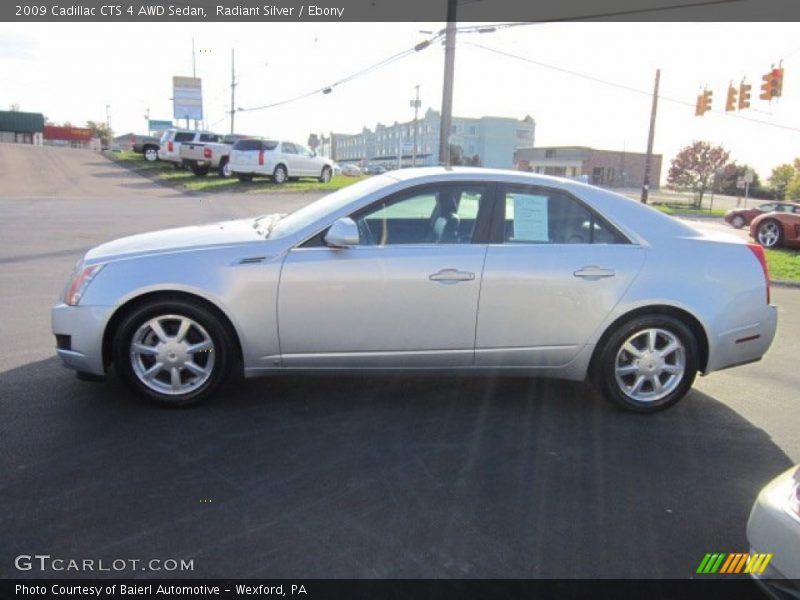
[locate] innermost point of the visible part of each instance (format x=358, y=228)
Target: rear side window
x=536, y=215
x=270, y=145
x=247, y=145
x=184, y=136
x=210, y=137
x=288, y=148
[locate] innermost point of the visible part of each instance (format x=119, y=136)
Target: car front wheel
x=150, y=154
x=770, y=233
x=174, y=353
x=738, y=221
x=647, y=364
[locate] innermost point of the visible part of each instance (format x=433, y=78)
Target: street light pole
x=233, y=91
x=649, y=158
x=415, y=103
x=447, y=91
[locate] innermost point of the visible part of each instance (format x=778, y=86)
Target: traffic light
x=744, y=95
x=777, y=82
x=730, y=103
x=703, y=103
x=766, y=86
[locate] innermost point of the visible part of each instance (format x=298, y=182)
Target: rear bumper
x=83, y=327
x=744, y=344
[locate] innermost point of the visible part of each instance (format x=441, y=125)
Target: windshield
x=294, y=222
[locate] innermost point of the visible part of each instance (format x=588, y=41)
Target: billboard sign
x=187, y=98
x=67, y=133
x=159, y=125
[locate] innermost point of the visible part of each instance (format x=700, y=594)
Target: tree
x=731, y=174
x=793, y=189
x=779, y=180
x=695, y=167
x=101, y=130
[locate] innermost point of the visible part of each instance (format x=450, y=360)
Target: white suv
x=279, y=160
x=170, y=144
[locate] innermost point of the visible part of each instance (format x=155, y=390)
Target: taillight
x=169, y=146
x=758, y=251
x=206, y=152
x=261, y=157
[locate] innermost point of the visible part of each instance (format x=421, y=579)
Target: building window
x=550, y=153
x=523, y=134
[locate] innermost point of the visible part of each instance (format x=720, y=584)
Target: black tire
x=200, y=170
x=738, y=222
x=604, y=370
x=244, y=177
x=326, y=175
x=772, y=241
x=222, y=348
x=150, y=153
x=224, y=169
x=280, y=175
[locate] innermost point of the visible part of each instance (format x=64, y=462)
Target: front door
x=405, y=296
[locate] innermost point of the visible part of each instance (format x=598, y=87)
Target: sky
x=71, y=71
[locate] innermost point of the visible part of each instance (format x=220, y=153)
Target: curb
x=785, y=284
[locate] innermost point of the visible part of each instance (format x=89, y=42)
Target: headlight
x=80, y=281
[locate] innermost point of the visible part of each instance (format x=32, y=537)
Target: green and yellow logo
x=734, y=563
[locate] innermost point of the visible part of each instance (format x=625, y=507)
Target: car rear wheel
x=150, y=154
x=326, y=174
x=770, y=233
x=174, y=353
x=648, y=364
x=279, y=175
x=200, y=170
x=738, y=221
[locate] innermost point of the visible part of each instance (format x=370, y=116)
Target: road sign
x=159, y=125
x=748, y=176
x=187, y=96
x=740, y=183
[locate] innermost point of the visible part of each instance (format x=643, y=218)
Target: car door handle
x=593, y=272
x=451, y=276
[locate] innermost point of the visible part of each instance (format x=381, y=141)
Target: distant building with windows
x=485, y=141
x=611, y=168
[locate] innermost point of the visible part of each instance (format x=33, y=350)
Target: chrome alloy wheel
x=172, y=354
x=650, y=365
x=768, y=234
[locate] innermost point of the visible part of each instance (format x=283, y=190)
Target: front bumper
x=772, y=528
x=85, y=326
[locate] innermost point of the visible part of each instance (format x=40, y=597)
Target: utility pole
x=194, y=76
x=233, y=91
x=649, y=158
x=147, y=119
x=447, y=91
x=415, y=103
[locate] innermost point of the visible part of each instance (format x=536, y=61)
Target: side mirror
x=343, y=233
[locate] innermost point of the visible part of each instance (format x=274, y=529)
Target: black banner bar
x=317, y=11
x=209, y=589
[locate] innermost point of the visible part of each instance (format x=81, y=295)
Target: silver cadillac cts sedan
x=424, y=270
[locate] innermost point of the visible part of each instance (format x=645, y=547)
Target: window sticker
x=530, y=218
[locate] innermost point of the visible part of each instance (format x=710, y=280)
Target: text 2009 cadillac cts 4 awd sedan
x=420, y=270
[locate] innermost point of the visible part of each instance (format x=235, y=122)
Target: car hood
x=194, y=237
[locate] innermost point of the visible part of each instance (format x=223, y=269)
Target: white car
x=350, y=170
x=774, y=529
x=279, y=160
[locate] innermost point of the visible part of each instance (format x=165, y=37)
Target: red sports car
x=739, y=217
x=777, y=229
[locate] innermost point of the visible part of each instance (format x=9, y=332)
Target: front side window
x=546, y=216
x=288, y=148
x=766, y=207
x=432, y=215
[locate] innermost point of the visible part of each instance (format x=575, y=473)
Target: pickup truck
x=201, y=157
x=147, y=145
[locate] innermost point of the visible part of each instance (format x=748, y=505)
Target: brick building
x=611, y=168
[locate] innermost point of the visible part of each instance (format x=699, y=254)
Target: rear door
x=553, y=273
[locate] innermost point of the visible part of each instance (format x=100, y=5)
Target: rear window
x=184, y=136
x=255, y=145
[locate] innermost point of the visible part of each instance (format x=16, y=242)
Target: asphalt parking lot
x=342, y=476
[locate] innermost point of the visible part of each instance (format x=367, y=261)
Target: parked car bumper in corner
x=744, y=345
x=774, y=528
x=79, y=336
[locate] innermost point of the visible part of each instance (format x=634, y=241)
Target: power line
x=365, y=71
x=622, y=86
